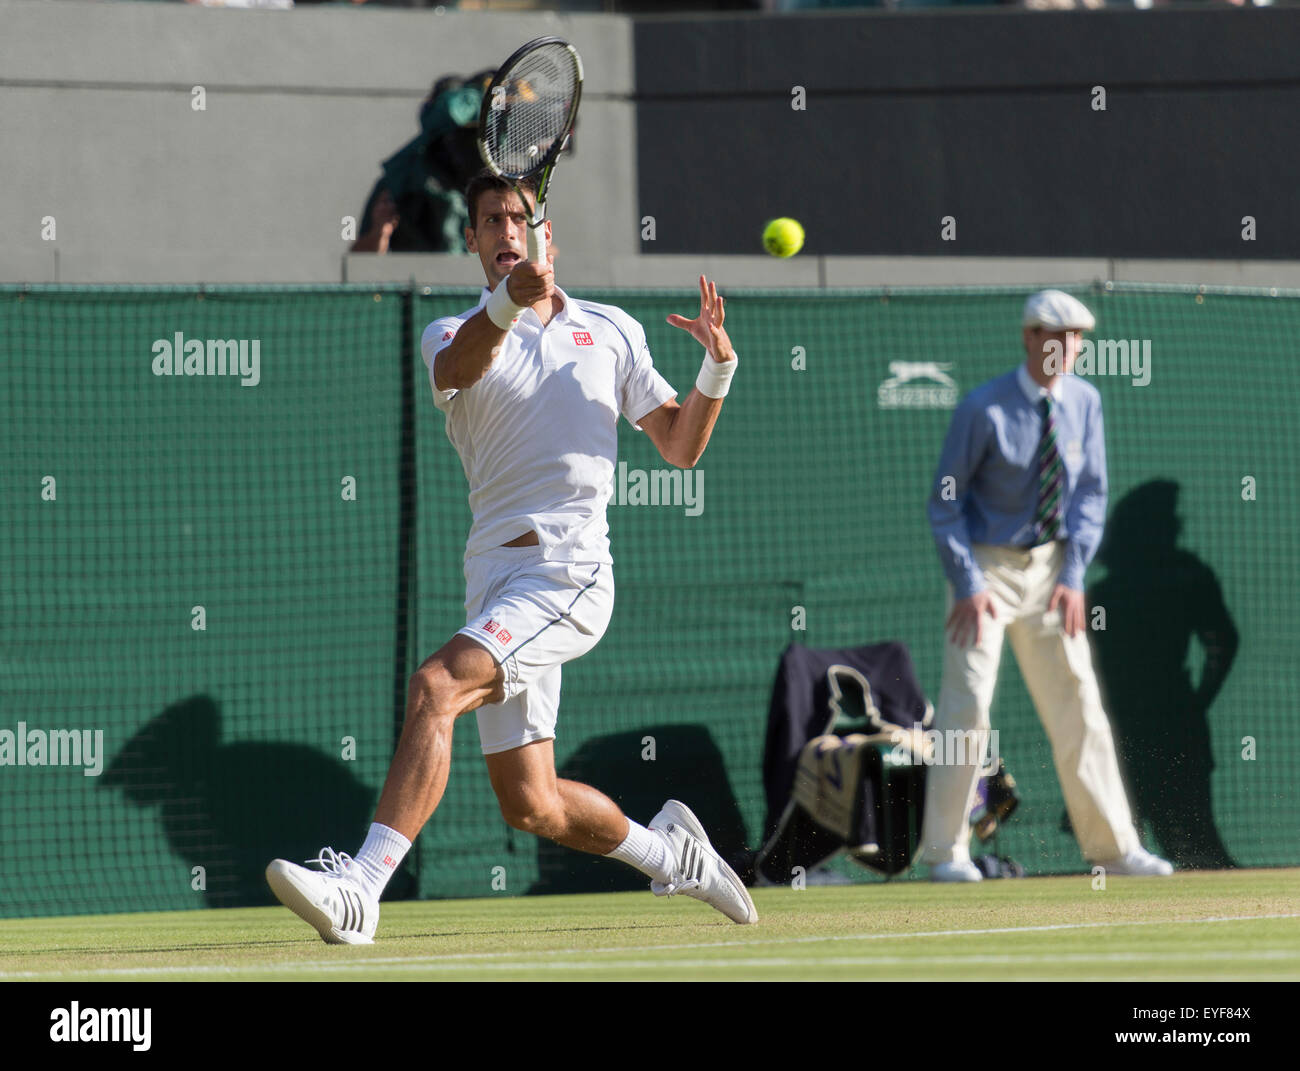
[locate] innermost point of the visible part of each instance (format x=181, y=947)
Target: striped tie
x=1051, y=480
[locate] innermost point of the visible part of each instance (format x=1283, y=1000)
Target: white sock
x=646, y=849
x=379, y=858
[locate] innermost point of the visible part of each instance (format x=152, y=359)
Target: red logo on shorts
x=490, y=626
x=582, y=338
x=503, y=636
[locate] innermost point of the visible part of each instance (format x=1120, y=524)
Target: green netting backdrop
x=232, y=582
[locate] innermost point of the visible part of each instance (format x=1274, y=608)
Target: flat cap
x=1055, y=310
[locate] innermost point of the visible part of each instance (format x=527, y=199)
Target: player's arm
x=681, y=432
x=471, y=353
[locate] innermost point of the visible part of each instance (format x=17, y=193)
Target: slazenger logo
x=895, y=393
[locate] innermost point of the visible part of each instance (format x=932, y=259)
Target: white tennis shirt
x=538, y=434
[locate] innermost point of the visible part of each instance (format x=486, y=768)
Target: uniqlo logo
x=448, y=335
x=388, y=861
x=583, y=338
x=490, y=626
x=503, y=636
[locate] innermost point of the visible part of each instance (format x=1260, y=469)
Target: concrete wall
x=1007, y=133
x=672, y=270
x=98, y=131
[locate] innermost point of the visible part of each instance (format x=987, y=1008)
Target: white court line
x=1007, y=959
x=455, y=959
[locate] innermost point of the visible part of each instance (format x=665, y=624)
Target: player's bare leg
x=342, y=900
x=460, y=677
x=674, y=851
x=534, y=800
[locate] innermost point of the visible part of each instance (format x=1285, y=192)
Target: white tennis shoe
x=339, y=907
x=1139, y=863
x=698, y=871
x=956, y=871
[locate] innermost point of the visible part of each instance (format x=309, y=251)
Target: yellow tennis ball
x=783, y=237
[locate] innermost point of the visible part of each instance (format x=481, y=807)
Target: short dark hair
x=486, y=181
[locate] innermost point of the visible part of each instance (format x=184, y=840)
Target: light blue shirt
x=986, y=486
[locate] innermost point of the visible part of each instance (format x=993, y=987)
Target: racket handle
x=537, y=237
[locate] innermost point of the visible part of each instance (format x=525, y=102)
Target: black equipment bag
x=846, y=774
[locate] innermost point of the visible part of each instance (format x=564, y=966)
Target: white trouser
x=1058, y=673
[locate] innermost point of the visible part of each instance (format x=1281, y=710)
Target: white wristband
x=500, y=309
x=714, y=379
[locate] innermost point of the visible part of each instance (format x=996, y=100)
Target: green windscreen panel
x=199, y=578
x=214, y=585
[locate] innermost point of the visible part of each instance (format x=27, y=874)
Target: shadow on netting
x=1164, y=607
x=232, y=808
x=686, y=765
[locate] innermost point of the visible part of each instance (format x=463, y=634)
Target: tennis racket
x=525, y=122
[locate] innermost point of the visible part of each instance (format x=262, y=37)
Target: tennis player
x=531, y=382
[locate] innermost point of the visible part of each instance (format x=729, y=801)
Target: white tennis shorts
x=532, y=616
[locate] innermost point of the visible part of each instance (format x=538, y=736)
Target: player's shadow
x=686, y=765
x=232, y=808
x=1158, y=598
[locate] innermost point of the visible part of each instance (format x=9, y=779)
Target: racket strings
x=529, y=110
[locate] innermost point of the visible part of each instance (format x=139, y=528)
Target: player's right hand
x=529, y=282
x=966, y=621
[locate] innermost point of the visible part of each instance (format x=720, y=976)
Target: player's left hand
x=707, y=328
x=1071, y=604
